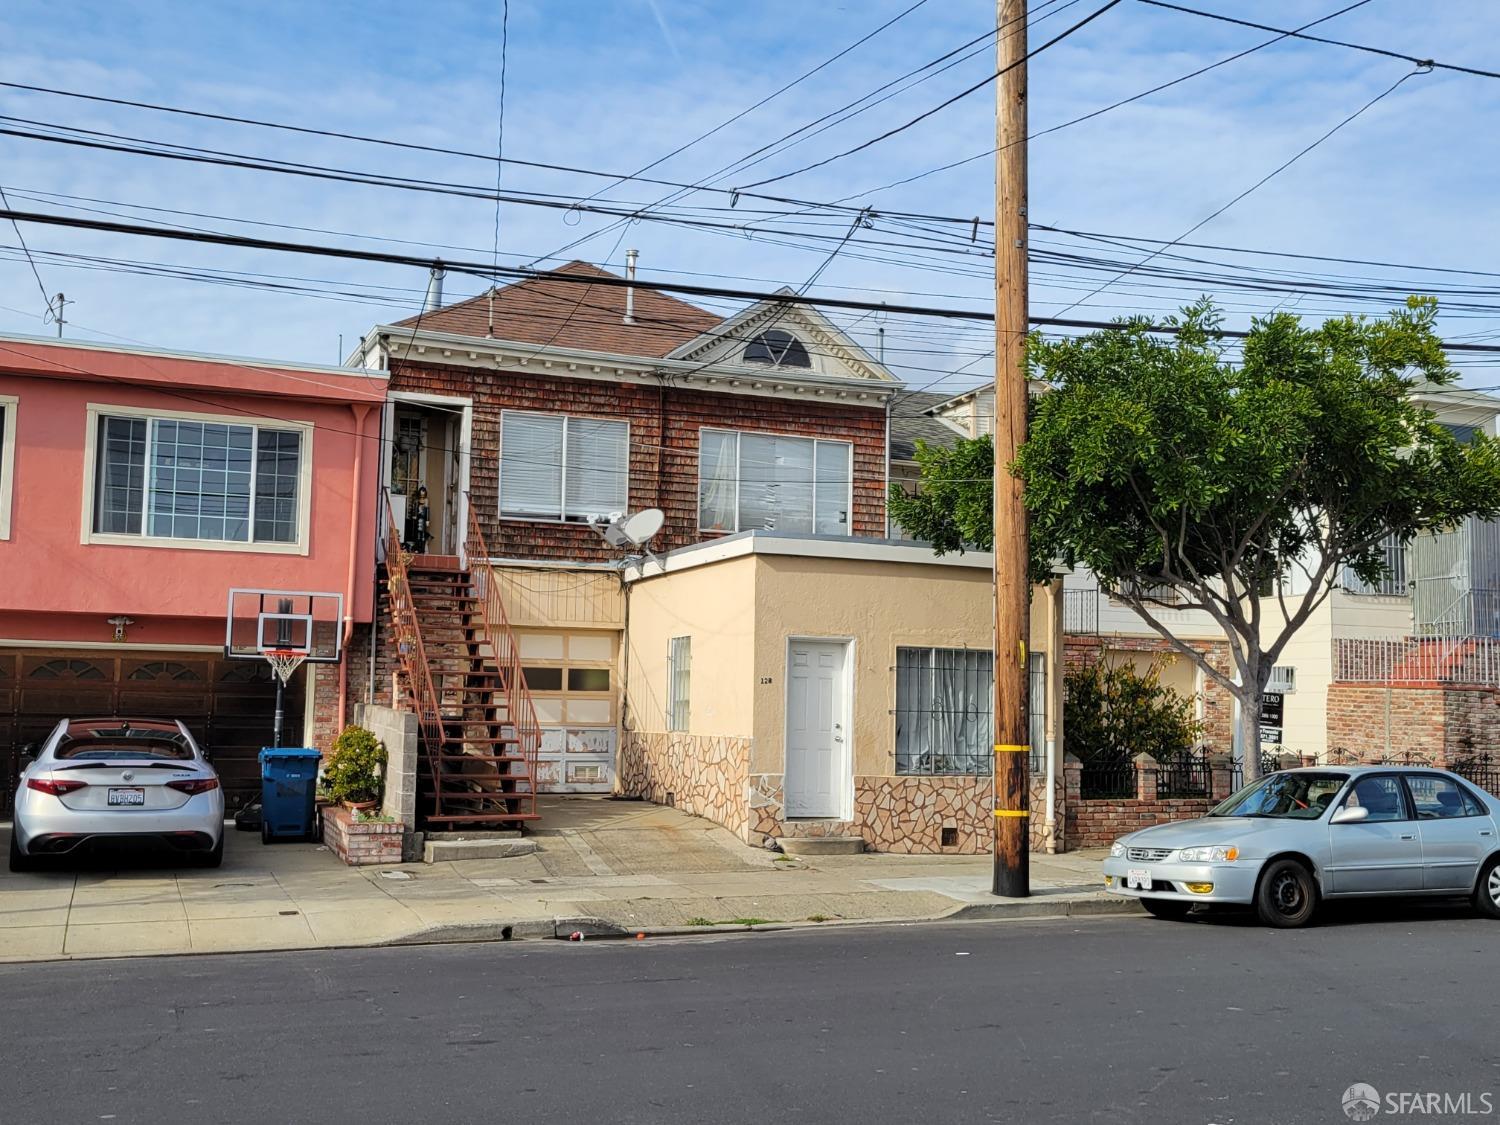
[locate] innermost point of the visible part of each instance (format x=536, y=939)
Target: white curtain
x=833, y=492
x=776, y=483
x=717, y=455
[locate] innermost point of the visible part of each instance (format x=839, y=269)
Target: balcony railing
x=1081, y=610
x=1417, y=660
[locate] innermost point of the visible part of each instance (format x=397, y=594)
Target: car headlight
x=1116, y=850
x=1219, y=854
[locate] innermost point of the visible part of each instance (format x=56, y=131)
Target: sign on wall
x=1272, y=710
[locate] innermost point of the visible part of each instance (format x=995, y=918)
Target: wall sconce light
x=119, y=623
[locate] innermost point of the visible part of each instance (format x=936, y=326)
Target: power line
x=941, y=106
x=1258, y=183
x=1106, y=109
x=41, y=288
x=1413, y=59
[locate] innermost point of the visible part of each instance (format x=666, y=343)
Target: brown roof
x=570, y=315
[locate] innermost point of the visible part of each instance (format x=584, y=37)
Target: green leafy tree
x=1186, y=481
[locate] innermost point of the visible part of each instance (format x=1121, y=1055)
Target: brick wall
x=1371, y=721
x=1099, y=823
x=664, y=424
x=359, y=844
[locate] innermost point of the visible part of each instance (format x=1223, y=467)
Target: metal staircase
x=480, y=736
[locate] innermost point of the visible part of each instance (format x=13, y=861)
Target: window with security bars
x=170, y=478
x=1393, y=582
x=944, y=711
x=555, y=467
x=679, y=678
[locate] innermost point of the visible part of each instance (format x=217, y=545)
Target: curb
x=603, y=929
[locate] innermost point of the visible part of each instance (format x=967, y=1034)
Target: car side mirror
x=1350, y=814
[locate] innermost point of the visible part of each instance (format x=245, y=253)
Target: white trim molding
x=89, y=537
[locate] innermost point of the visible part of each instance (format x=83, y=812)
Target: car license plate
x=1138, y=878
x=127, y=797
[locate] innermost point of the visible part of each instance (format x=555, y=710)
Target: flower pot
x=360, y=806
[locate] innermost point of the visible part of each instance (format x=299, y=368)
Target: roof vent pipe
x=630, y=259
x=434, y=298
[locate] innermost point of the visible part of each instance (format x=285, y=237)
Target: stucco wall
x=165, y=587
x=715, y=606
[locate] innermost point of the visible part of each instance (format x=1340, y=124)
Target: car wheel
x=19, y=860
x=1169, y=908
x=1287, y=895
x=211, y=858
x=1487, y=890
x=265, y=830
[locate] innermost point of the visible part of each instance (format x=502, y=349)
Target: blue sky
x=614, y=84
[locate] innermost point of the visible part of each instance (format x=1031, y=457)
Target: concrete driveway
x=622, y=865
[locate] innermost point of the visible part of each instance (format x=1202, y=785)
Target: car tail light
x=56, y=788
x=194, y=785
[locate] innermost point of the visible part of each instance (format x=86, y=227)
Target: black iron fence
x=1184, y=774
x=1482, y=769
x=1104, y=778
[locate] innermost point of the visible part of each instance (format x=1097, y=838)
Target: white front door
x=817, y=739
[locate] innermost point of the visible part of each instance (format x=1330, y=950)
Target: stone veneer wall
x=706, y=775
x=1437, y=723
x=906, y=815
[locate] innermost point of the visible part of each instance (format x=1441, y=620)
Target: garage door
x=571, y=680
x=227, y=704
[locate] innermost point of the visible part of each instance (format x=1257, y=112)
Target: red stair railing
x=502, y=642
x=411, y=653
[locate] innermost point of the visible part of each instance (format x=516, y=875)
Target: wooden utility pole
x=1012, y=561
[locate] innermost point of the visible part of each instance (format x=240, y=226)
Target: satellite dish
x=632, y=531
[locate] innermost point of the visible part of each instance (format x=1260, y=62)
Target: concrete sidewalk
x=600, y=867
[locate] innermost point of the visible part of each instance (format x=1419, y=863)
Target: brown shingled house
x=550, y=404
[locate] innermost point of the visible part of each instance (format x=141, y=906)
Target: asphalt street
x=1109, y=1020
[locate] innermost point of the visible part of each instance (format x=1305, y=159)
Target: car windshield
x=123, y=743
x=1291, y=796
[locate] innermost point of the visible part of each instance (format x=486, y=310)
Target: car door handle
x=1408, y=837
x=1485, y=832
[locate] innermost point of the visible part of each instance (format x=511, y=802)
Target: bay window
x=770, y=482
x=556, y=467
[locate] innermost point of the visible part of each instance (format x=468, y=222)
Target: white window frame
x=10, y=404
x=679, y=683
x=88, y=536
x=816, y=441
x=562, y=473
x=1283, y=680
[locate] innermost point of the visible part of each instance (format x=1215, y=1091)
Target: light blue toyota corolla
x=1291, y=839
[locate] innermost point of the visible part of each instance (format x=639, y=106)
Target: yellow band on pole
x=1012, y=812
x=1001, y=748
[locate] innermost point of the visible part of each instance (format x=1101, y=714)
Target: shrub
x=1112, y=713
x=355, y=768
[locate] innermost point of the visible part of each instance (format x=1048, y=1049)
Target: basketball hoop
x=284, y=661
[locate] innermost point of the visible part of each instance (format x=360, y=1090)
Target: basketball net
x=284, y=661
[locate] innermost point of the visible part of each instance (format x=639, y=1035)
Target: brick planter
x=360, y=844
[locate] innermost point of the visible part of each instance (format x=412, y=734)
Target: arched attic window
x=777, y=347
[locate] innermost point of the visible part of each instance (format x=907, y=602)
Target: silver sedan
x=1291, y=839
x=98, y=781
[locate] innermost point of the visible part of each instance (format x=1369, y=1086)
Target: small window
x=1283, y=680
x=588, y=679
x=543, y=679
x=679, y=680
x=7, y=460
x=1437, y=798
x=779, y=348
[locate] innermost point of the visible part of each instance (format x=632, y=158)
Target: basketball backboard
x=292, y=620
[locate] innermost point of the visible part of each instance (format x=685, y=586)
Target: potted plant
x=354, y=770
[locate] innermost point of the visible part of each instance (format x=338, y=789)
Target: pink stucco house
x=136, y=487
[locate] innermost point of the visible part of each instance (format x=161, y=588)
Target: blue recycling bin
x=288, y=781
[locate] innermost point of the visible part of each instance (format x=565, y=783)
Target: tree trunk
x=1249, y=726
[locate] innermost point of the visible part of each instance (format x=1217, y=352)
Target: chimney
x=630, y=259
x=434, y=299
